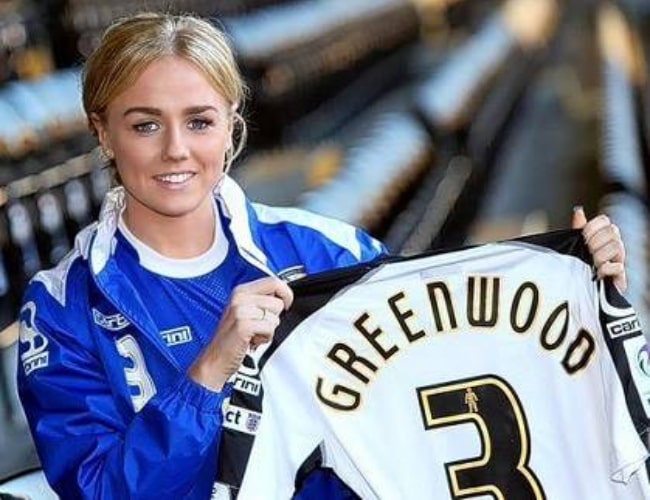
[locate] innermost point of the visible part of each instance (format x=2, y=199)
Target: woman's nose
x=175, y=147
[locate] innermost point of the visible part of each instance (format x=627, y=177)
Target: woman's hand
x=249, y=321
x=605, y=244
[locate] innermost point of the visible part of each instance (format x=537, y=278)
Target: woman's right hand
x=250, y=319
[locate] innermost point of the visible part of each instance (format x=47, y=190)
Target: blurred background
x=430, y=123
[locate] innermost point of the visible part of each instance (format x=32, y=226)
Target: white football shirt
x=499, y=371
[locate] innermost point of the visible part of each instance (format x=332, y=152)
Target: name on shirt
x=487, y=311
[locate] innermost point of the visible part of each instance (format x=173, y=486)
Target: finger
x=248, y=311
x=264, y=332
x=615, y=270
x=262, y=286
x=284, y=293
x=265, y=319
x=579, y=219
x=594, y=225
x=257, y=307
x=254, y=313
x=621, y=282
x=609, y=235
x=611, y=269
x=259, y=339
x=274, y=305
x=612, y=251
x=248, y=328
x=268, y=286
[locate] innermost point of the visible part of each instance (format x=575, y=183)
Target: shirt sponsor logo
x=242, y=420
x=35, y=355
x=177, y=336
x=624, y=326
x=643, y=360
x=247, y=384
x=112, y=322
x=637, y=354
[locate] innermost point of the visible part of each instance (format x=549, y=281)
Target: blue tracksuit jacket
x=112, y=414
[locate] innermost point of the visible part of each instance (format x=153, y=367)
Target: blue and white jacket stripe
x=93, y=439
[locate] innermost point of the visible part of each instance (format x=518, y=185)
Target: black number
x=489, y=403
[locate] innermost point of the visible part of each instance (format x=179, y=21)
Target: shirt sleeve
x=90, y=443
x=625, y=365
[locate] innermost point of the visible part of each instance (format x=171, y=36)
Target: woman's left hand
x=605, y=244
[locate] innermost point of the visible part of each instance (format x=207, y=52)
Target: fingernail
x=577, y=208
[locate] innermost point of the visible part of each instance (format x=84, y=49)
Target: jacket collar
x=231, y=200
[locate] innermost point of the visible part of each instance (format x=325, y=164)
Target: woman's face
x=169, y=132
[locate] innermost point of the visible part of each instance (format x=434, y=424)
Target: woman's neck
x=182, y=237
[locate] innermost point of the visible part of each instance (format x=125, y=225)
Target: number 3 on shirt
x=502, y=469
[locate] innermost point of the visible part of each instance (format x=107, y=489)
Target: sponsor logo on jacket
x=35, y=354
x=112, y=322
x=177, y=336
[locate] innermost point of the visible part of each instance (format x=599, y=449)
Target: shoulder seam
x=55, y=279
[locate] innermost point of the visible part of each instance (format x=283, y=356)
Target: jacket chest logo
x=177, y=336
x=111, y=322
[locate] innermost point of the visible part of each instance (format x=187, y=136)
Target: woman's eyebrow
x=192, y=110
x=144, y=110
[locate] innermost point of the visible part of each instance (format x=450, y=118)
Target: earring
x=108, y=153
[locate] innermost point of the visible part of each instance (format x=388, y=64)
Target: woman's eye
x=146, y=127
x=199, y=123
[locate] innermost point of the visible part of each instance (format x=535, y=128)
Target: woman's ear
x=99, y=127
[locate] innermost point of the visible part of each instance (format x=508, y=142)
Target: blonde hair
x=129, y=45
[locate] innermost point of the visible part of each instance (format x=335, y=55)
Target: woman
x=127, y=345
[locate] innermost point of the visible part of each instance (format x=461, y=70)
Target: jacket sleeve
x=91, y=444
